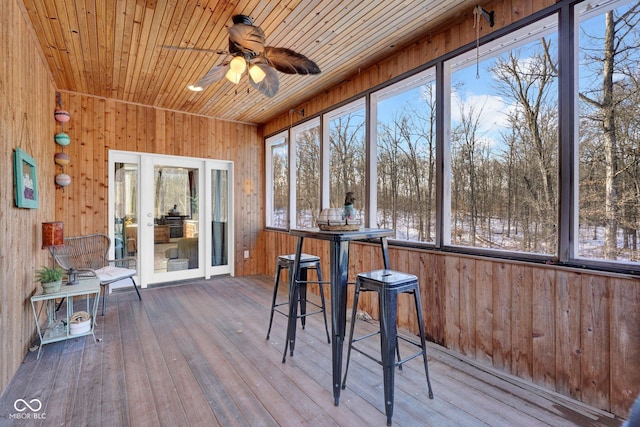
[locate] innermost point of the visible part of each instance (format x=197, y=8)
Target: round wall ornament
x=62, y=139
x=62, y=159
x=62, y=179
x=61, y=115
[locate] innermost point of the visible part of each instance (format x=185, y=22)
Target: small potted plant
x=50, y=278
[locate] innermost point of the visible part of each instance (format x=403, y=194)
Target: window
x=503, y=144
x=609, y=131
x=306, y=138
x=347, y=154
x=405, y=134
x=277, y=167
x=485, y=177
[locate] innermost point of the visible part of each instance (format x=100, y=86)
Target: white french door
x=173, y=214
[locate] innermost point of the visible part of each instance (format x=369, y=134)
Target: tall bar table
x=339, y=262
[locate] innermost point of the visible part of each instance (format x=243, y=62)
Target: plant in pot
x=50, y=278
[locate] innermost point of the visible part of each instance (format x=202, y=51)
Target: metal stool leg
x=388, y=343
x=324, y=306
x=354, y=311
x=275, y=294
x=416, y=297
x=302, y=295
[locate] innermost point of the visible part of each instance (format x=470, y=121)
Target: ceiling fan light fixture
x=256, y=73
x=238, y=65
x=233, y=77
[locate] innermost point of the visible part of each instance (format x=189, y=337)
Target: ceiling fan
x=247, y=47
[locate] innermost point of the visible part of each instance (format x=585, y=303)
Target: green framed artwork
x=26, y=180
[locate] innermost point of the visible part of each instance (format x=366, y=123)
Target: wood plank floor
x=195, y=354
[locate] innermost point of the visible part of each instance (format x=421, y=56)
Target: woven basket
x=339, y=227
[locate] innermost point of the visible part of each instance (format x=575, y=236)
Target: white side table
x=54, y=329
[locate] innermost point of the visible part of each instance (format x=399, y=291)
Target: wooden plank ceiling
x=114, y=48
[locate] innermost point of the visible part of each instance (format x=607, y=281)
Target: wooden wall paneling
x=159, y=131
x=169, y=127
x=596, y=341
x=568, y=333
x=437, y=301
x=625, y=355
x=467, y=306
x=70, y=194
x=452, y=304
x=484, y=310
x=521, y=319
x=182, y=137
x=139, y=133
x=427, y=292
x=218, y=146
x=120, y=126
x=406, y=261
x=108, y=125
x=543, y=328
x=100, y=167
x=203, y=133
x=89, y=191
x=148, y=129
x=502, y=312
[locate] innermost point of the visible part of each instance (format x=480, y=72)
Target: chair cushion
x=111, y=274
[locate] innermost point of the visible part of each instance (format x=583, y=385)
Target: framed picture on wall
x=26, y=180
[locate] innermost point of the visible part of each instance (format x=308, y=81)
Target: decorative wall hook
x=488, y=16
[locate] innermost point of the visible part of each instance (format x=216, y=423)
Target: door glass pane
x=219, y=217
x=175, y=224
x=126, y=210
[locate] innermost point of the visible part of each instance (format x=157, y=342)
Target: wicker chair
x=88, y=256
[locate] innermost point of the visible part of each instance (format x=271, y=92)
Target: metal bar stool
x=307, y=262
x=388, y=284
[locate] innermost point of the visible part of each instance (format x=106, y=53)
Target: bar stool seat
x=307, y=262
x=388, y=284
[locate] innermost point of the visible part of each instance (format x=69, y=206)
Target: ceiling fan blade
x=246, y=39
x=242, y=19
x=195, y=49
x=270, y=85
x=214, y=74
x=289, y=62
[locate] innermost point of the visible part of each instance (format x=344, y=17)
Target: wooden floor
x=195, y=354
